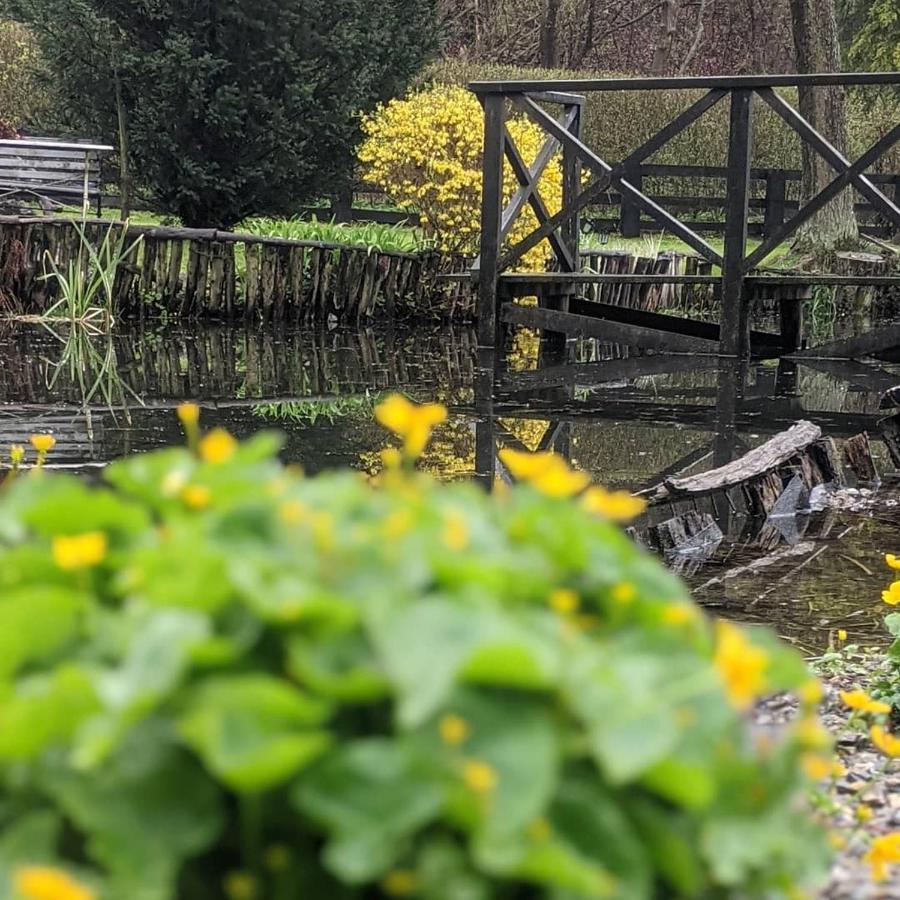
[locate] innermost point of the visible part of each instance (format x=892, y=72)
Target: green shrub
x=219, y=678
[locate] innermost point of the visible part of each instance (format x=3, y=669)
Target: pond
x=625, y=421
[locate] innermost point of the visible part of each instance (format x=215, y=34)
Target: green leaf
x=143, y=814
x=253, y=731
x=155, y=662
x=422, y=648
x=44, y=710
x=444, y=873
x=338, y=666
x=372, y=796
x=28, y=841
x=516, y=737
x=35, y=621
x=892, y=623
x=623, y=696
x=66, y=505
x=184, y=570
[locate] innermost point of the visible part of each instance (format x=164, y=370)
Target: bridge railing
x=565, y=132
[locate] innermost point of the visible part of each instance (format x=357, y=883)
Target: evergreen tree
x=229, y=107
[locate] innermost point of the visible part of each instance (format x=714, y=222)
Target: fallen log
x=858, y=457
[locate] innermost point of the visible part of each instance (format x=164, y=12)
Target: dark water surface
x=623, y=416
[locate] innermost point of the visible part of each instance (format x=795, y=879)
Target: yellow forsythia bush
x=425, y=151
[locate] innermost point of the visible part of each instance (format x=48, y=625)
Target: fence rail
x=774, y=202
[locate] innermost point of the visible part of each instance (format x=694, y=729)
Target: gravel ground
x=850, y=877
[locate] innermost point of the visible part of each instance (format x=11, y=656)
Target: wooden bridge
x=737, y=279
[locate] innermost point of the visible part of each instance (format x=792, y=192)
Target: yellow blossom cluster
x=46, y=883
x=426, y=150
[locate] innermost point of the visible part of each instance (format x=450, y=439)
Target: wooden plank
x=675, y=324
x=867, y=344
x=715, y=82
x=634, y=335
x=757, y=462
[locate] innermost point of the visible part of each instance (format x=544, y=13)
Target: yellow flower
x=479, y=777
x=400, y=883
x=540, y=830
x=884, y=852
x=547, y=472
x=740, y=665
x=45, y=883
x=564, y=601
x=679, y=614
x=411, y=421
x=456, y=532
x=863, y=813
x=17, y=454
x=391, y=458
x=885, y=742
x=398, y=523
x=817, y=767
x=624, y=592
x=862, y=702
x=810, y=692
x=892, y=595
x=277, y=858
x=43, y=443
x=189, y=415
x=196, y=496
x=892, y=561
x=293, y=512
x=81, y=551
x=218, y=447
x=454, y=730
x=240, y=886
x=811, y=734
x=842, y=635
x=618, y=506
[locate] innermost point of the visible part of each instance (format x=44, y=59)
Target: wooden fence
x=701, y=190
x=208, y=273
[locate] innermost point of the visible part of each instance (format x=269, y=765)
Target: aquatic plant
x=86, y=285
x=220, y=678
x=310, y=412
x=425, y=152
x=378, y=237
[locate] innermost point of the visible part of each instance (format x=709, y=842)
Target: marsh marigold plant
x=425, y=152
x=221, y=679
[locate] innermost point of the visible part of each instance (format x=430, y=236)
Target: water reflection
x=629, y=418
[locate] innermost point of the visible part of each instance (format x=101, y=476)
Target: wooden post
x=571, y=230
x=735, y=319
x=491, y=218
x=630, y=221
x=791, y=314
x=776, y=195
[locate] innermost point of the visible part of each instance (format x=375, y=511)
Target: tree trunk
x=662, y=56
x=816, y=43
x=550, y=35
x=124, y=150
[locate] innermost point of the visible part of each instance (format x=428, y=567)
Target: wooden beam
x=828, y=193
x=634, y=335
x=715, y=82
x=540, y=117
x=830, y=154
x=491, y=219
x=867, y=344
x=735, y=312
x=528, y=187
x=710, y=331
x=591, y=193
